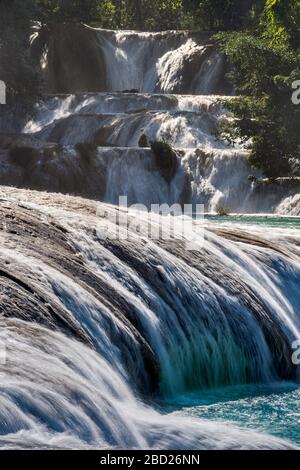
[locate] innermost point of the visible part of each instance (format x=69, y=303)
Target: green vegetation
x=76, y=11
x=20, y=73
x=219, y=15
x=260, y=37
x=214, y=15
x=266, y=61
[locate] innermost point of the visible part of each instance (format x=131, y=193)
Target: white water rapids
x=123, y=90
x=100, y=334
x=158, y=63
x=214, y=173
x=60, y=391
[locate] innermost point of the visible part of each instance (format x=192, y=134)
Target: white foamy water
x=290, y=206
x=59, y=392
x=159, y=62
x=170, y=81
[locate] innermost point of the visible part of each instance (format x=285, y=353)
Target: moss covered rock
x=166, y=159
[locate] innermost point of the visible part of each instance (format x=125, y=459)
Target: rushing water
x=116, y=341
x=256, y=220
x=138, y=88
x=268, y=408
x=130, y=342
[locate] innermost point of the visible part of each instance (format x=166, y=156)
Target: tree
x=167, y=14
x=221, y=15
x=281, y=20
x=266, y=62
x=78, y=11
x=148, y=14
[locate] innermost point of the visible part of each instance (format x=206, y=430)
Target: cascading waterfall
x=99, y=324
x=169, y=62
x=214, y=173
x=112, y=339
x=290, y=206
x=171, y=87
x=167, y=90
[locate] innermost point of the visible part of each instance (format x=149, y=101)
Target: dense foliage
x=218, y=15
x=84, y=11
x=266, y=63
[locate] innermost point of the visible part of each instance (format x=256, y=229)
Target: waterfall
x=122, y=90
x=290, y=206
x=110, y=337
x=210, y=172
x=169, y=62
x=99, y=325
x=116, y=123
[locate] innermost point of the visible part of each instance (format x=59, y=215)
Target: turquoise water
x=259, y=220
x=272, y=409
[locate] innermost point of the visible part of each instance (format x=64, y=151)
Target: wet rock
x=133, y=91
x=143, y=141
x=166, y=160
x=252, y=178
x=28, y=163
x=24, y=296
x=74, y=61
